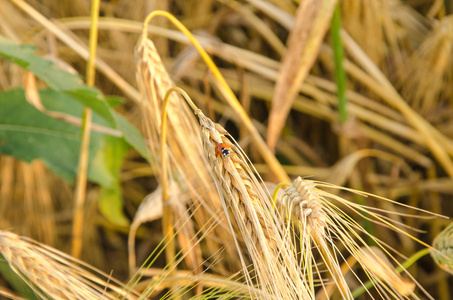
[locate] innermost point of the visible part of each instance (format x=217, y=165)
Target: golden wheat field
x=254, y=149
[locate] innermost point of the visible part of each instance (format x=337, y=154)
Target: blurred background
x=394, y=137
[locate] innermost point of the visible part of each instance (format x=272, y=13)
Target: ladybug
x=222, y=149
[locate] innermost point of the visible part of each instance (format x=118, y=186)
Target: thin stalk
x=167, y=216
x=90, y=73
x=340, y=74
x=80, y=190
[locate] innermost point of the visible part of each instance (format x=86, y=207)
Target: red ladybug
x=222, y=149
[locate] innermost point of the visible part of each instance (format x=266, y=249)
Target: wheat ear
x=187, y=164
x=321, y=223
x=442, y=251
x=251, y=213
x=301, y=204
x=54, y=275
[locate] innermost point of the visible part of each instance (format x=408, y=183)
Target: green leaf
x=70, y=104
x=24, y=56
x=92, y=98
x=114, y=101
x=63, y=102
x=131, y=135
x=15, y=281
x=111, y=156
x=71, y=85
x=27, y=134
x=111, y=206
x=55, y=78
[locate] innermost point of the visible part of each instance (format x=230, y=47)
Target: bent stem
x=275, y=194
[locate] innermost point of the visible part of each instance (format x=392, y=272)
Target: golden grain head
x=54, y=275
x=252, y=218
x=187, y=165
x=301, y=202
x=324, y=226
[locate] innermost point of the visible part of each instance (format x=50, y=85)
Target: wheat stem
x=80, y=190
x=90, y=72
x=79, y=196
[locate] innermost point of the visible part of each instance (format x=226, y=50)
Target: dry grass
x=36, y=196
x=383, y=20
x=429, y=70
x=229, y=239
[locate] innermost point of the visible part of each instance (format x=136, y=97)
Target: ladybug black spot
x=225, y=152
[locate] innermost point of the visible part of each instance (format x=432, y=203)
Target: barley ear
x=251, y=216
x=54, y=275
x=442, y=252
